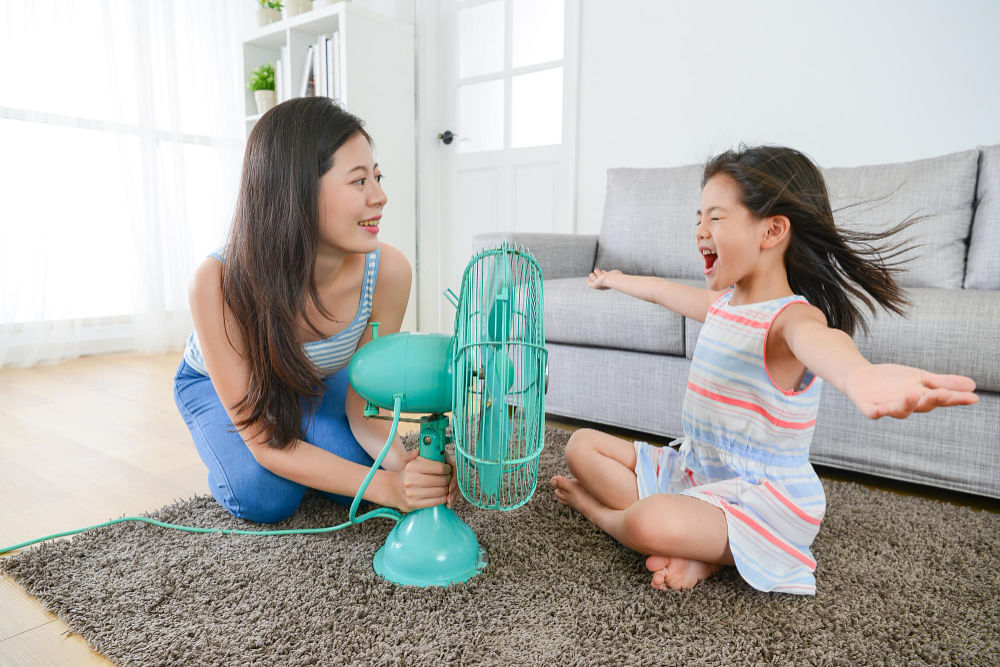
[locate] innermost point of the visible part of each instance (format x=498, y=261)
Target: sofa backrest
x=982, y=270
x=650, y=215
x=649, y=222
x=940, y=190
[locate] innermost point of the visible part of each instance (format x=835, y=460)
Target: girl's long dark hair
x=830, y=266
x=267, y=279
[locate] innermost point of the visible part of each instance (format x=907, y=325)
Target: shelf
x=320, y=20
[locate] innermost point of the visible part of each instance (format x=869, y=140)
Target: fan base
x=430, y=547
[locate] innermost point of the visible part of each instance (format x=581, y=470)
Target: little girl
x=778, y=315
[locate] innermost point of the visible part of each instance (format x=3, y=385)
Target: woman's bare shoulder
x=394, y=268
x=206, y=284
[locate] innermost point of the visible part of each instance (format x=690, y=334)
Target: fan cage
x=505, y=283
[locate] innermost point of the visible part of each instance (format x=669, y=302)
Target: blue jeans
x=240, y=484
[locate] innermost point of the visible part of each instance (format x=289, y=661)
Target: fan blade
x=494, y=428
x=496, y=305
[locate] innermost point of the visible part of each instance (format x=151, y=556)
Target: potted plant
x=268, y=12
x=294, y=7
x=262, y=85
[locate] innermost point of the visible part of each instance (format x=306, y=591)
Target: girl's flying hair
x=267, y=279
x=830, y=267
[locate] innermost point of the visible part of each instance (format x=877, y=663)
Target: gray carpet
x=901, y=580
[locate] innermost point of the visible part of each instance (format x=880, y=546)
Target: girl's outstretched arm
x=878, y=390
x=689, y=301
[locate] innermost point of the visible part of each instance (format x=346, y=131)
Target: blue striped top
x=330, y=355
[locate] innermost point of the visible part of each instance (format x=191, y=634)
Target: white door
x=497, y=100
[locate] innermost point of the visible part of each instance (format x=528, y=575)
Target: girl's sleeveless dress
x=746, y=449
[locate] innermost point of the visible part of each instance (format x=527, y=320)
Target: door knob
x=446, y=137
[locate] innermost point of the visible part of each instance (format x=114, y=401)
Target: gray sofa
x=620, y=361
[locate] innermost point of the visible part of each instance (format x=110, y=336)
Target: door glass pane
x=536, y=108
x=480, y=39
x=480, y=117
x=536, y=32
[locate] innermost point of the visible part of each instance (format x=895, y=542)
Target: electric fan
x=491, y=376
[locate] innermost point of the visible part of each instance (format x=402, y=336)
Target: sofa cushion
x=874, y=198
x=983, y=268
x=943, y=331
x=649, y=222
x=578, y=315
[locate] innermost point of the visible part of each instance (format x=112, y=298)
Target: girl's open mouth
x=710, y=258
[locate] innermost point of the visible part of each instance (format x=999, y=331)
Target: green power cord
x=352, y=518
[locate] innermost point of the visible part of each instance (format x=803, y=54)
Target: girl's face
x=351, y=199
x=728, y=234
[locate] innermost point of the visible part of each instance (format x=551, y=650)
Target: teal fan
x=491, y=375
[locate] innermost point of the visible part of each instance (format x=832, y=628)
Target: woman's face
x=351, y=199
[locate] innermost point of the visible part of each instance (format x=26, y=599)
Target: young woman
x=278, y=313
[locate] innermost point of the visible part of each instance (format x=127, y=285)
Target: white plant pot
x=267, y=15
x=265, y=99
x=295, y=7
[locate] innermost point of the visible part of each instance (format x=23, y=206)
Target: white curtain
x=121, y=135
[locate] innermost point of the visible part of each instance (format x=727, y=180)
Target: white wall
x=848, y=82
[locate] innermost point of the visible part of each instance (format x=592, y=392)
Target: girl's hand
x=598, y=279
x=899, y=391
x=422, y=483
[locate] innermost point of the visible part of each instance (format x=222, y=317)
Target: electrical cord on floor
x=383, y=512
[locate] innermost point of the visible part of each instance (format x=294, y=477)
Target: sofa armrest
x=559, y=255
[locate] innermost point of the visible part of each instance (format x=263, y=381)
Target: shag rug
x=901, y=580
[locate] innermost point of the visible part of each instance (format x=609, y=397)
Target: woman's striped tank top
x=330, y=355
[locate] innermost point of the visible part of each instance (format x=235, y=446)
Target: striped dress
x=746, y=449
x=330, y=355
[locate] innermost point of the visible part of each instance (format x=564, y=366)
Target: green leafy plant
x=262, y=78
x=271, y=4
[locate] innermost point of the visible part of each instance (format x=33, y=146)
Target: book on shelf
x=278, y=90
x=320, y=70
x=333, y=65
x=321, y=65
x=307, y=87
x=283, y=75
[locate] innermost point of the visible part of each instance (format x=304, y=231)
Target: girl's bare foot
x=571, y=492
x=678, y=573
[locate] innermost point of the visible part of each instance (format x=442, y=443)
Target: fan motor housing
x=415, y=365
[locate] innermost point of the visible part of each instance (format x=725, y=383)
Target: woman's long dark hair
x=825, y=264
x=267, y=280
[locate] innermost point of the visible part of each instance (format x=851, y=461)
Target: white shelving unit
x=376, y=62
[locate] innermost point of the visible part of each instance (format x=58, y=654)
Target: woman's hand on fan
x=423, y=483
x=453, y=482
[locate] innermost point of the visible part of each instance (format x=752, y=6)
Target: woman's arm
x=689, y=301
x=878, y=390
x=301, y=462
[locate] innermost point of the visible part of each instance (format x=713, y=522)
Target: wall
x=848, y=82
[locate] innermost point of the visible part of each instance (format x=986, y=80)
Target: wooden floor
x=97, y=438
